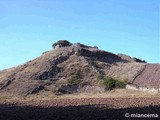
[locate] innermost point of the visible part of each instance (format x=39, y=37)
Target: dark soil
x=78, y=109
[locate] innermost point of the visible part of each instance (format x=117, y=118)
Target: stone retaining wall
x=145, y=89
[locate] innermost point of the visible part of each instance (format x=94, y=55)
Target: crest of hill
x=69, y=68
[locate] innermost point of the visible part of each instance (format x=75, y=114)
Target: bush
x=74, y=81
x=4, y=98
x=119, y=84
x=111, y=83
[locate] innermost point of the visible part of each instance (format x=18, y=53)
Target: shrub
x=80, y=74
x=74, y=81
x=4, y=98
x=119, y=84
x=111, y=83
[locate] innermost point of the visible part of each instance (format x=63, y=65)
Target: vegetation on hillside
x=111, y=83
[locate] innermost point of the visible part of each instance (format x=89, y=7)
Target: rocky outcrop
x=61, y=43
x=67, y=88
x=52, y=71
x=130, y=59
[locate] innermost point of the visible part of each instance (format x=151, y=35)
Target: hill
x=69, y=68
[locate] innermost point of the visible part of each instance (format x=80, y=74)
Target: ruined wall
x=145, y=89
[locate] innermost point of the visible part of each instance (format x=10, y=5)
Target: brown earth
x=78, y=109
x=150, y=77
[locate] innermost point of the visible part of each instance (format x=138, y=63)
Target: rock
x=61, y=43
x=44, y=76
x=6, y=83
x=130, y=59
x=91, y=89
x=37, y=89
x=67, y=88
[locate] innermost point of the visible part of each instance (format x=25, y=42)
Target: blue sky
x=30, y=27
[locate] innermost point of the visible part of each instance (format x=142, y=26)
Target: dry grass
x=4, y=97
x=127, y=71
x=117, y=93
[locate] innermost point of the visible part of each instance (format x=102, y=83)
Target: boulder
x=61, y=43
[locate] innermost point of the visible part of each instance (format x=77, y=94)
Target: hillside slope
x=150, y=77
x=69, y=68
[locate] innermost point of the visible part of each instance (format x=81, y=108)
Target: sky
x=30, y=27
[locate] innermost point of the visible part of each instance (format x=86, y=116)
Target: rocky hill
x=69, y=68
